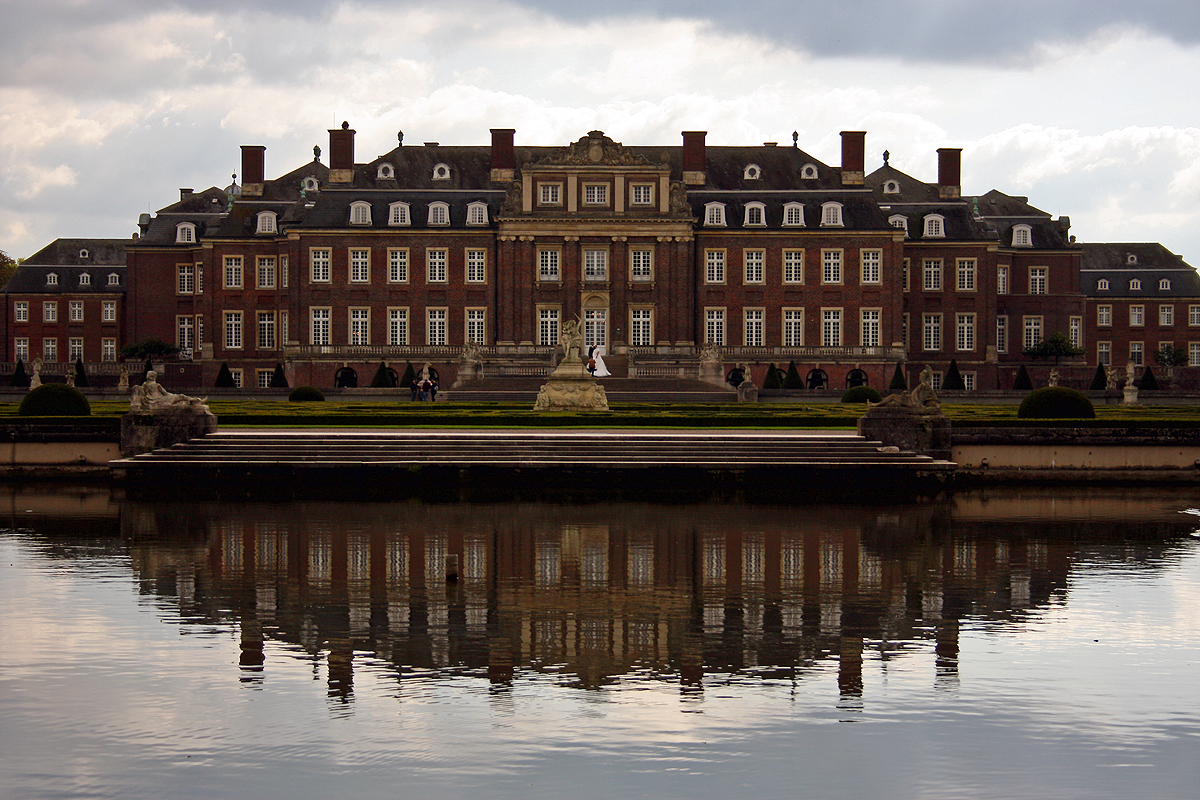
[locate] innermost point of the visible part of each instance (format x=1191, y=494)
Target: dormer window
x=114, y=279
x=808, y=171
x=385, y=172
x=891, y=187
x=441, y=172
x=185, y=233
x=439, y=214
x=1135, y=285
x=1022, y=236
x=360, y=213
x=84, y=254
x=1102, y=285
x=1164, y=285
x=52, y=279
x=398, y=214
x=311, y=184
x=266, y=222
x=756, y=214
x=899, y=221
x=831, y=215
x=477, y=214
x=793, y=215
x=752, y=172
x=85, y=279
x=935, y=226
x=1131, y=259
x=714, y=215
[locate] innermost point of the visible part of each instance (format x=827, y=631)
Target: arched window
x=360, y=213
x=1164, y=285
x=185, y=233
x=85, y=279
x=756, y=214
x=1022, y=236
x=398, y=214
x=439, y=214
x=793, y=215
x=477, y=213
x=266, y=222
x=831, y=215
x=1102, y=285
x=899, y=221
x=752, y=172
x=935, y=226
x=441, y=172
x=1135, y=285
x=808, y=171
x=714, y=215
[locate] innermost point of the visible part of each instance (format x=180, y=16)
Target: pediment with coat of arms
x=595, y=149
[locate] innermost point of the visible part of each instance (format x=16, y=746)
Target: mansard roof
x=912, y=190
x=1151, y=264
x=958, y=223
x=859, y=210
x=332, y=208
x=32, y=279
x=70, y=252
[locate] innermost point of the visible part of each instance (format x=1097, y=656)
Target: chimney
x=341, y=154
x=695, y=162
x=854, y=145
x=504, y=161
x=184, y=194
x=252, y=169
x=949, y=172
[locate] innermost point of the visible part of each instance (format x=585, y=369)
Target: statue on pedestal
x=571, y=341
x=151, y=397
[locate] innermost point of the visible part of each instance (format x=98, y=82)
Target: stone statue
x=923, y=396
x=424, y=374
x=710, y=353
x=471, y=354
x=1053, y=377
x=1113, y=376
x=1129, y=373
x=70, y=377
x=123, y=383
x=571, y=340
x=151, y=397
x=36, y=380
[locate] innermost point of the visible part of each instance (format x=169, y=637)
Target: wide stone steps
x=617, y=390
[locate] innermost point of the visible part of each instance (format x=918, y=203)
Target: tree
x=1055, y=346
x=20, y=377
x=953, y=382
x=1173, y=356
x=898, y=384
x=793, y=379
x=772, y=379
x=80, y=373
x=8, y=266
x=278, y=378
x=152, y=347
x=1148, y=383
x=1022, y=383
x=383, y=378
x=1100, y=379
x=410, y=375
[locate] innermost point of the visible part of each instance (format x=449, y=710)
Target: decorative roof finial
x=345, y=125
x=886, y=156
x=316, y=152
x=400, y=138
x=795, y=138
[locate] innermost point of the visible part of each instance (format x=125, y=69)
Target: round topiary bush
x=306, y=394
x=861, y=394
x=55, y=400
x=1056, y=402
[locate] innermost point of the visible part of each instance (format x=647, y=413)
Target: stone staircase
x=512, y=462
x=618, y=390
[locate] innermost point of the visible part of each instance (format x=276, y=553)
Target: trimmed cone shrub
x=306, y=394
x=80, y=373
x=861, y=394
x=278, y=379
x=146, y=368
x=953, y=380
x=410, y=375
x=1148, y=383
x=793, y=379
x=1056, y=402
x=20, y=377
x=55, y=400
x=383, y=378
x=1022, y=383
x=898, y=384
x=772, y=380
x=1100, y=379
x=224, y=377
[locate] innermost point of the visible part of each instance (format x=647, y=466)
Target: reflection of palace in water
x=686, y=594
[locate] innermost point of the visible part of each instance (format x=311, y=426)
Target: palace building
x=763, y=251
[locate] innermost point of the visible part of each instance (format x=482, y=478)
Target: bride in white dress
x=601, y=367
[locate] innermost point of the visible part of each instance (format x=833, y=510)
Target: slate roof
x=859, y=211
x=1153, y=263
x=32, y=279
x=100, y=252
x=332, y=208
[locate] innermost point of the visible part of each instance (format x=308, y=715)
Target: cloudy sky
x=1092, y=109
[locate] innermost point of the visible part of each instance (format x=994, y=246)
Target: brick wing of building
x=763, y=252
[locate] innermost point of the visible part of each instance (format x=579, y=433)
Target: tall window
x=267, y=339
x=477, y=325
x=753, y=319
x=321, y=326
x=185, y=333
x=931, y=272
x=436, y=326
x=21, y=311
x=641, y=332
x=108, y=350
x=185, y=278
x=75, y=349
x=965, y=270
x=1001, y=280
x=964, y=325
x=793, y=327
x=714, y=326
x=831, y=327
x=1194, y=354
x=714, y=215
x=595, y=265
x=398, y=214
x=476, y=266
x=935, y=227
x=265, y=268
x=1104, y=353
x=233, y=272
x=1075, y=331
x=75, y=311
x=1033, y=331
x=477, y=214
x=398, y=326
x=360, y=213
x=360, y=326
x=755, y=214
x=753, y=261
x=1103, y=316
x=548, y=319
x=50, y=350
x=793, y=215
x=233, y=330
x=108, y=311
x=793, y=266
x=1137, y=352
x=319, y=259
x=1001, y=334
x=872, y=265
x=1037, y=280
x=435, y=264
x=641, y=264
x=714, y=266
x=595, y=327
x=1137, y=316
x=439, y=214
x=21, y=348
x=1166, y=315
x=870, y=334
x=548, y=267
x=931, y=332
x=831, y=215
x=360, y=265
x=1193, y=315
x=831, y=266
x=398, y=266
x=50, y=311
